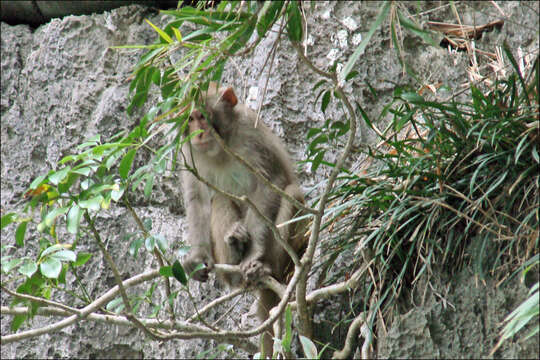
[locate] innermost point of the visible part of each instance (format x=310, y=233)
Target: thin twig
x=84, y=312
x=42, y=301
x=157, y=254
x=304, y=323
x=109, y=261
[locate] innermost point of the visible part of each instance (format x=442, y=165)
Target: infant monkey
x=236, y=235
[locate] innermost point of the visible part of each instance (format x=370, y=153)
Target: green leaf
x=37, y=181
x=28, y=268
x=325, y=100
x=312, y=132
x=413, y=98
x=51, y=249
x=150, y=243
x=287, y=339
x=519, y=150
x=74, y=219
x=116, y=305
x=64, y=255
x=351, y=75
x=177, y=34
x=162, y=243
x=309, y=347
x=50, y=268
x=64, y=185
x=85, y=171
x=385, y=8
x=148, y=186
x=8, y=219
x=268, y=15
x=125, y=164
x=66, y=159
x=147, y=222
x=166, y=271
x=117, y=194
x=179, y=273
x=317, y=161
x=82, y=258
x=294, y=22
x=135, y=246
x=161, y=33
x=18, y=320
x=58, y=176
x=92, y=203
x=19, y=233
x=424, y=34
x=10, y=265
x=51, y=216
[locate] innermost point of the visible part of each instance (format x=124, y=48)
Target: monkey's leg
x=257, y=262
x=229, y=237
x=229, y=240
x=267, y=300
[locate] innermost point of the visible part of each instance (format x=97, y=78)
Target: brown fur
x=236, y=235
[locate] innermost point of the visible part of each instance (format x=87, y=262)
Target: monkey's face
x=204, y=142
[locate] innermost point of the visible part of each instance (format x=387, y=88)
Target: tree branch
x=84, y=312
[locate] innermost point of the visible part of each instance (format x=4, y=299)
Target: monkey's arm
x=197, y=204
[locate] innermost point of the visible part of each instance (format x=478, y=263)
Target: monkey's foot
x=253, y=271
x=193, y=262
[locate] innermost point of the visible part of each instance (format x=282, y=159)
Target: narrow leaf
x=125, y=164
x=161, y=33
x=8, y=219
x=385, y=8
x=179, y=273
x=92, y=203
x=19, y=233
x=74, y=219
x=51, y=216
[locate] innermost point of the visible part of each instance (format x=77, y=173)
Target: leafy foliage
x=454, y=184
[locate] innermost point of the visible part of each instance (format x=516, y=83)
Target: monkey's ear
x=229, y=97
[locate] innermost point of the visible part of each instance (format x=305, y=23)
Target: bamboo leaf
x=161, y=33
x=385, y=8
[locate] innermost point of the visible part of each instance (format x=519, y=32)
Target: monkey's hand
x=254, y=270
x=238, y=239
x=193, y=260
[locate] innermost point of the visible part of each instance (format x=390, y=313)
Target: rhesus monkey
x=236, y=235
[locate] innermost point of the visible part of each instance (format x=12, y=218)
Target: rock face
x=61, y=84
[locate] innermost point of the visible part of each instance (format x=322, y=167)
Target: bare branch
x=84, y=312
x=42, y=301
x=352, y=333
x=109, y=261
x=303, y=316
